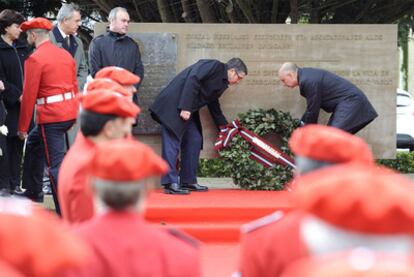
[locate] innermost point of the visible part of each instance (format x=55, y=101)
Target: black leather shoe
x=35, y=197
x=194, y=187
x=175, y=189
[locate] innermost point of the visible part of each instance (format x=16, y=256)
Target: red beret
x=358, y=197
x=108, y=84
x=107, y=102
x=119, y=75
x=359, y=262
x=126, y=160
x=36, y=23
x=34, y=241
x=324, y=143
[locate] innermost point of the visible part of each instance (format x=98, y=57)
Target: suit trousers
x=189, y=146
x=15, y=150
x=46, y=143
x=4, y=167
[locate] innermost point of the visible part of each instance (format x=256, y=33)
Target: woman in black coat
x=13, y=53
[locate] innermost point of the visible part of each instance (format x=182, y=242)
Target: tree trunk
x=186, y=11
x=141, y=18
x=294, y=12
x=275, y=9
x=247, y=10
x=164, y=10
x=314, y=12
x=206, y=11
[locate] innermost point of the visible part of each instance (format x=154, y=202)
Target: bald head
x=288, y=67
x=288, y=74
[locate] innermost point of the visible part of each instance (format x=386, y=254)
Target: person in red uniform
x=105, y=115
x=121, y=76
x=7, y=270
x=50, y=84
x=318, y=146
x=124, y=244
x=35, y=242
x=105, y=83
x=339, y=208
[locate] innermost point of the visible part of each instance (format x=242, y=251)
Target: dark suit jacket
x=11, y=73
x=324, y=90
x=198, y=85
x=77, y=52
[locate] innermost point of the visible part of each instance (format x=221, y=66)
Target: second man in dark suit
x=350, y=108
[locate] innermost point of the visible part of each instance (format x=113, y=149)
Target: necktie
x=67, y=40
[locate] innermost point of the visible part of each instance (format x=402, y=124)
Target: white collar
x=62, y=33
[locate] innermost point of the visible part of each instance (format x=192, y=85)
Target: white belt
x=55, y=98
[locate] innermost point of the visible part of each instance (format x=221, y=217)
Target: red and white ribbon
x=262, y=151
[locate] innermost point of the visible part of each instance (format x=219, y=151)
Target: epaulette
x=183, y=236
x=261, y=222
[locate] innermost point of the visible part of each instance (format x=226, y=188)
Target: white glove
x=3, y=130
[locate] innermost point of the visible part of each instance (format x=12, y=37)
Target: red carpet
x=215, y=218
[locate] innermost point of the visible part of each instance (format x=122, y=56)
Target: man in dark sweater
x=350, y=108
x=115, y=48
x=176, y=109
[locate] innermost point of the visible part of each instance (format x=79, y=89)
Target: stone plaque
x=159, y=56
x=364, y=54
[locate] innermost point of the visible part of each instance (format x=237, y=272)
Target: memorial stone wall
x=364, y=54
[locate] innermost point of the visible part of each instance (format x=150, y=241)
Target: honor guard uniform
x=339, y=208
x=100, y=109
x=50, y=85
x=124, y=244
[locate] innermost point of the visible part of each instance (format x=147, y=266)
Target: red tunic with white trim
x=270, y=244
x=75, y=194
x=49, y=71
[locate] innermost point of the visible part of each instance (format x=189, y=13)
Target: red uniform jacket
x=124, y=245
x=269, y=248
x=75, y=194
x=48, y=71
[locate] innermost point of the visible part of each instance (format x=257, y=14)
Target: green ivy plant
x=247, y=173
